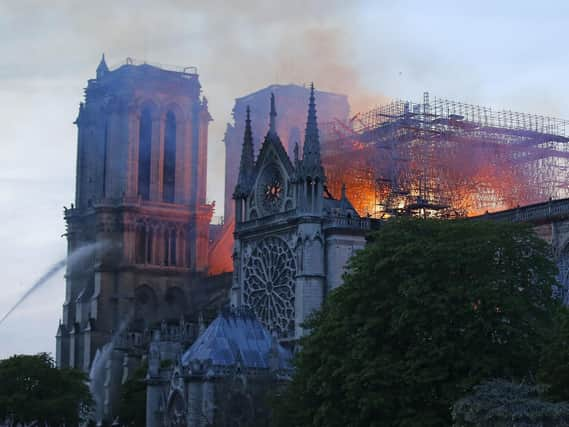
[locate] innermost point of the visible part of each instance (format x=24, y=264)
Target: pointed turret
x=273, y=116
x=247, y=159
x=311, y=161
x=102, y=68
x=310, y=173
x=272, y=136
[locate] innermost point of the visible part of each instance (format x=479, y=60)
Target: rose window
x=269, y=283
x=270, y=193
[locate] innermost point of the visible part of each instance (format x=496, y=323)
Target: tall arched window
x=149, y=254
x=140, y=245
x=144, y=150
x=169, y=172
x=170, y=247
x=173, y=248
x=143, y=244
x=145, y=306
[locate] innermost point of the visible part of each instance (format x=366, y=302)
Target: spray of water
x=75, y=257
x=96, y=377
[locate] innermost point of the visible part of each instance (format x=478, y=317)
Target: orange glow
x=452, y=179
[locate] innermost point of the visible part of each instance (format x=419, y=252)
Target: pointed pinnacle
x=311, y=149
x=273, y=115
x=247, y=155
x=312, y=93
x=248, y=136
x=102, y=67
x=312, y=105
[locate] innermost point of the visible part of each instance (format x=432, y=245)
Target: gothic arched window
x=140, y=245
x=176, y=301
x=188, y=253
x=170, y=242
x=176, y=411
x=143, y=244
x=149, y=239
x=173, y=247
x=144, y=150
x=145, y=306
x=169, y=171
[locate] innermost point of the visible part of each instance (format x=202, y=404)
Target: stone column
x=202, y=155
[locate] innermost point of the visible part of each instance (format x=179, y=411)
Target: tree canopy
x=132, y=406
x=428, y=309
x=32, y=390
x=554, y=366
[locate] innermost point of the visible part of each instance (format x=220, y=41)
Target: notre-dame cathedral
x=141, y=295
x=141, y=195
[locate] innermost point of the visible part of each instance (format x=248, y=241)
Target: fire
x=456, y=183
x=432, y=160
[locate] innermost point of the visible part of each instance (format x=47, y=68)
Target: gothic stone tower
x=292, y=238
x=141, y=185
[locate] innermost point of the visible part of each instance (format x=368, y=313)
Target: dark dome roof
x=237, y=337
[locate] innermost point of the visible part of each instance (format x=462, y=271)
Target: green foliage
x=132, y=407
x=554, y=370
x=500, y=403
x=429, y=309
x=33, y=389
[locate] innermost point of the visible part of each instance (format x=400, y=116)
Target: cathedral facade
x=141, y=197
x=292, y=237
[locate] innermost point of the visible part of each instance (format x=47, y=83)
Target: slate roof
x=237, y=337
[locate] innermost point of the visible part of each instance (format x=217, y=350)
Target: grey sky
x=508, y=54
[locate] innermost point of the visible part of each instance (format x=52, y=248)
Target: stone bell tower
x=141, y=192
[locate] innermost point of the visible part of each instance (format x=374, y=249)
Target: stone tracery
x=269, y=285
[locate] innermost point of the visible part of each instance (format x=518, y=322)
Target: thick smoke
x=238, y=47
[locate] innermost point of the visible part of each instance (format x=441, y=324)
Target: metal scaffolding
x=446, y=158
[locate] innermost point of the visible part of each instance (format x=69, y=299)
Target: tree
x=427, y=310
x=132, y=407
x=500, y=403
x=554, y=369
x=33, y=390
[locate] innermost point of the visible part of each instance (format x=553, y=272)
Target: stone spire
x=311, y=150
x=247, y=157
x=102, y=68
x=273, y=116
